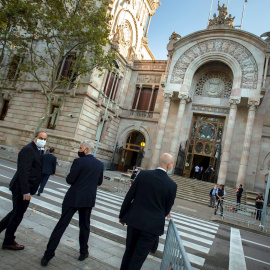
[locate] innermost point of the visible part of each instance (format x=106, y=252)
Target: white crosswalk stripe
x=197, y=235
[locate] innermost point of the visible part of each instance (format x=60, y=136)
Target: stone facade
x=219, y=75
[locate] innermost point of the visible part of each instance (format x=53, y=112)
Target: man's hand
x=27, y=197
x=120, y=221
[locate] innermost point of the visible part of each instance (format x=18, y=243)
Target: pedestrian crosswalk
x=197, y=235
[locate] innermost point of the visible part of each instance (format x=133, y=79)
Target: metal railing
x=265, y=224
x=174, y=254
x=240, y=212
x=123, y=183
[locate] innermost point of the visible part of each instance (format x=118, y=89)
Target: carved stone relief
x=7, y=95
x=147, y=78
x=243, y=56
x=214, y=84
x=202, y=108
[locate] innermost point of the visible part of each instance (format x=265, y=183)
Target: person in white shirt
x=197, y=169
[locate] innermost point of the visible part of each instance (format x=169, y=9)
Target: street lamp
x=140, y=154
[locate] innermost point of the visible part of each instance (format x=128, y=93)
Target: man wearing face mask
x=147, y=203
x=24, y=183
x=86, y=173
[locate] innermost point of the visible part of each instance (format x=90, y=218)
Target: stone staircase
x=198, y=191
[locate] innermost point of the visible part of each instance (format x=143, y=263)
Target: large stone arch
x=209, y=57
x=129, y=17
x=224, y=48
x=124, y=133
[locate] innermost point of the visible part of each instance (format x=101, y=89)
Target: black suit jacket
x=149, y=201
x=29, y=170
x=49, y=164
x=85, y=175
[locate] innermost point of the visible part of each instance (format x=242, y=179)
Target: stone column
x=184, y=98
x=161, y=129
x=242, y=172
x=228, y=141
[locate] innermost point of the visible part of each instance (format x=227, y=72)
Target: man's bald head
x=166, y=161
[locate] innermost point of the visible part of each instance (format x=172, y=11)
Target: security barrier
x=240, y=212
x=123, y=183
x=174, y=254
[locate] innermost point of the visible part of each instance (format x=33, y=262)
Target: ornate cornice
x=167, y=96
x=7, y=95
x=235, y=100
x=184, y=96
x=234, y=49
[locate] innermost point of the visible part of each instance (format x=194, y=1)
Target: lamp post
x=264, y=210
x=140, y=154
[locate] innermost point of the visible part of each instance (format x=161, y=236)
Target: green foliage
x=50, y=32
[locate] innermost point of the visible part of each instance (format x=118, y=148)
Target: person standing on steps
x=197, y=170
x=24, y=183
x=200, y=173
x=259, y=206
x=49, y=167
x=209, y=172
x=220, y=197
x=239, y=192
x=212, y=194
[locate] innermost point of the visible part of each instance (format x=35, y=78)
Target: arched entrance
x=204, y=144
x=132, y=153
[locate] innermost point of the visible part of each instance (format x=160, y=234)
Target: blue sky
x=186, y=17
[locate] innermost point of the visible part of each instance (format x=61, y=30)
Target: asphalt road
x=210, y=245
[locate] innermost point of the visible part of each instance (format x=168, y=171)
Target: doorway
x=201, y=161
x=204, y=144
x=132, y=153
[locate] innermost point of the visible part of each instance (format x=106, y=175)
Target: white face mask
x=40, y=143
x=170, y=171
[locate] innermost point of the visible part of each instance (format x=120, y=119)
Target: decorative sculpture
x=222, y=19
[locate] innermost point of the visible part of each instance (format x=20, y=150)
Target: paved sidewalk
x=34, y=232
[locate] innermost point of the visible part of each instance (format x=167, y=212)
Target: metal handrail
x=174, y=254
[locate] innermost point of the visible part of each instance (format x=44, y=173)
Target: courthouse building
x=208, y=103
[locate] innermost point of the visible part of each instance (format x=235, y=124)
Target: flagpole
x=228, y=4
x=243, y=14
x=210, y=12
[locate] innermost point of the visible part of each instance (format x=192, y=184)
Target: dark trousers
x=238, y=199
x=138, y=245
x=259, y=214
x=45, y=178
x=13, y=219
x=84, y=224
x=208, y=175
x=219, y=202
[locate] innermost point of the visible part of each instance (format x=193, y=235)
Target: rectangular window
x=113, y=82
x=136, y=98
x=65, y=70
x=154, y=99
x=54, y=119
x=4, y=109
x=14, y=71
x=145, y=99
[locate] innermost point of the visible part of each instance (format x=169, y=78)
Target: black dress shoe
x=14, y=246
x=38, y=194
x=43, y=261
x=83, y=256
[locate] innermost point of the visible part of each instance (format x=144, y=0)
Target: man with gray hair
x=147, y=203
x=24, y=183
x=86, y=173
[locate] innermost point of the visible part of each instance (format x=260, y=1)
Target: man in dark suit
x=147, y=203
x=24, y=184
x=49, y=167
x=85, y=175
